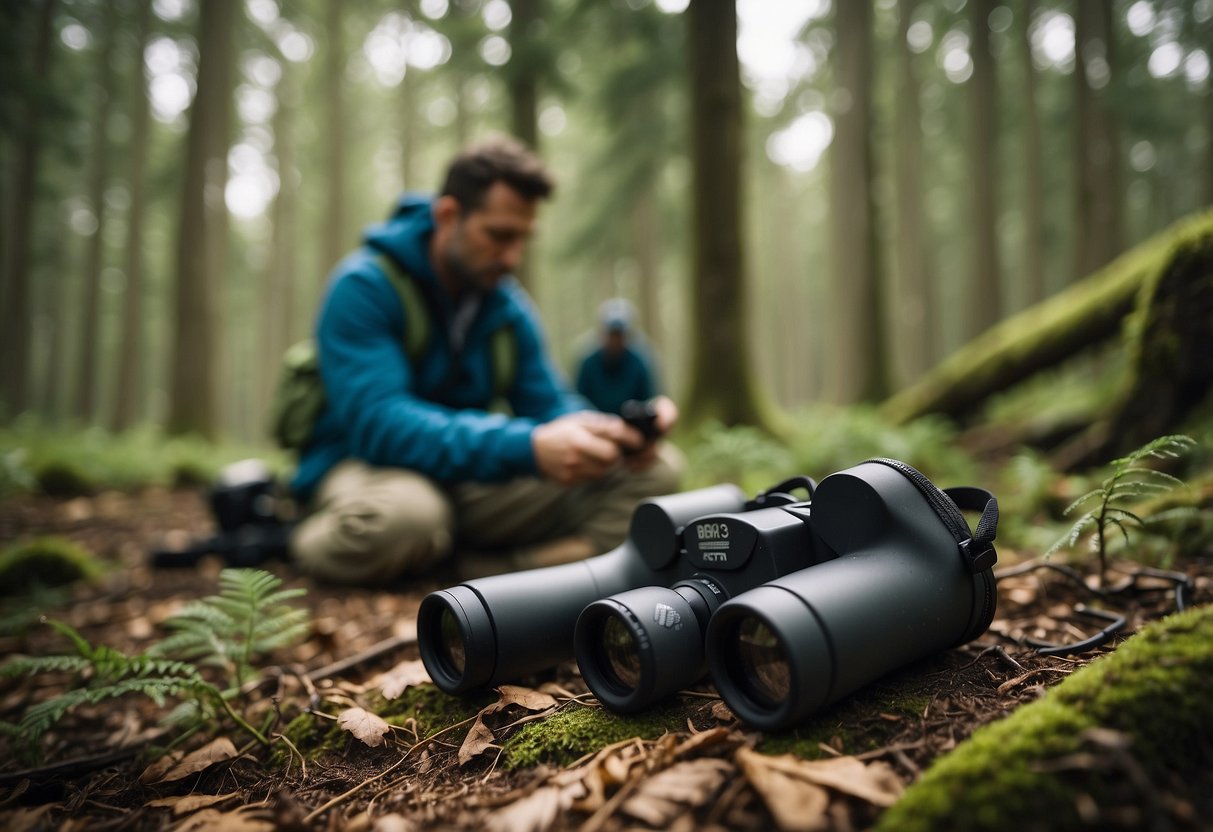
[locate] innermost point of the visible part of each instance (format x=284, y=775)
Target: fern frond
x=1091, y=496
x=30, y=665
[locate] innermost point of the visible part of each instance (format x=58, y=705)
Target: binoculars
x=790, y=604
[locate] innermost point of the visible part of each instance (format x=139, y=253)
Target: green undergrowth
x=64, y=463
x=1026, y=771
x=820, y=440
x=579, y=730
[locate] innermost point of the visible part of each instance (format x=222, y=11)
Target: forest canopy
x=889, y=180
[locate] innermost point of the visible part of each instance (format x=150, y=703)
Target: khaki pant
x=373, y=524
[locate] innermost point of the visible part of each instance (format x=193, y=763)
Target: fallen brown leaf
x=186, y=803
x=242, y=819
x=364, y=725
x=213, y=752
x=536, y=812
x=478, y=740
x=25, y=819
x=532, y=700
x=795, y=804
x=400, y=678
x=670, y=793
x=160, y=767
x=874, y=782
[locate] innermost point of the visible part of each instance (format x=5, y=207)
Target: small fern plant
x=1108, y=507
x=246, y=619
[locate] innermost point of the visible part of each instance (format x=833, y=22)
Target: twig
x=79, y=765
x=291, y=746
x=373, y=652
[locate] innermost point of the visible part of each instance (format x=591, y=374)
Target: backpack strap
x=417, y=326
x=416, y=312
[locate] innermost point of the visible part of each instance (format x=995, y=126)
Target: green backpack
x=299, y=398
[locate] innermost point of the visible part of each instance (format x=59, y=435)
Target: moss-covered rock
x=45, y=562
x=1029, y=770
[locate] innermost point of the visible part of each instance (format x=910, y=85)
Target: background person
x=618, y=367
x=407, y=460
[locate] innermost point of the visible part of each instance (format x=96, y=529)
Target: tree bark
x=336, y=243
x=983, y=306
x=99, y=159
x=193, y=407
x=15, y=293
x=1033, y=159
x=1084, y=314
x=128, y=404
x=858, y=356
x=1098, y=201
x=913, y=317
x=722, y=384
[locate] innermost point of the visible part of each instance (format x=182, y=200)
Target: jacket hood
x=406, y=235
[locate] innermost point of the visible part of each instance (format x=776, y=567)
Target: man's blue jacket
x=430, y=417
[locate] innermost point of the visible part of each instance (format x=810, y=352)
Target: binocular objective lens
x=621, y=653
x=762, y=663
x=453, y=653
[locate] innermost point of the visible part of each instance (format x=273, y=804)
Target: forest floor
x=693, y=765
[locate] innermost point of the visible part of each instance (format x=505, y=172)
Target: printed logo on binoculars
x=667, y=617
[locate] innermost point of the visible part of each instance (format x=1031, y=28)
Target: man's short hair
x=497, y=158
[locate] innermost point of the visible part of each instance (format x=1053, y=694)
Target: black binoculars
x=791, y=604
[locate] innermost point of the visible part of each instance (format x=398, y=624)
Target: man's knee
x=387, y=527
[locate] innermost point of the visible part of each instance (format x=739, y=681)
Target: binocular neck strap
x=970, y=498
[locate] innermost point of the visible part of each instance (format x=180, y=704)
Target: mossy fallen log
x=1098, y=750
x=1087, y=313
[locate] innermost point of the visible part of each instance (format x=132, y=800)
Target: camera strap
x=976, y=548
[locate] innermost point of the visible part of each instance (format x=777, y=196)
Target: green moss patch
x=45, y=562
x=1027, y=771
x=572, y=733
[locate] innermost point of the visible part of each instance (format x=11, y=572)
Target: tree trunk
x=1098, y=210
x=913, y=317
x=523, y=75
x=860, y=371
x=646, y=244
x=983, y=306
x=192, y=397
x=722, y=383
x=1034, y=193
x=99, y=158
x=15, y=292
x=128, y=405
x=279, y=325
x=336, y=242
x=1084, y=314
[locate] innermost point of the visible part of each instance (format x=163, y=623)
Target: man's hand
x=580, y=447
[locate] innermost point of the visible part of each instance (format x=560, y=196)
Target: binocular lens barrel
x=636, y=647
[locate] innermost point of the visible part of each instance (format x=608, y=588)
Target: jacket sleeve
x=368, y=385
x=540, y=391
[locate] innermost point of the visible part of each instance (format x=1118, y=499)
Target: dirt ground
x=702, y=774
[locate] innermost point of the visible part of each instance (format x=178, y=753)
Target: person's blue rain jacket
x=430, y=417
x=609, y=382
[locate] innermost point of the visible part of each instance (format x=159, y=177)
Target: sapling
x=1111, y=506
